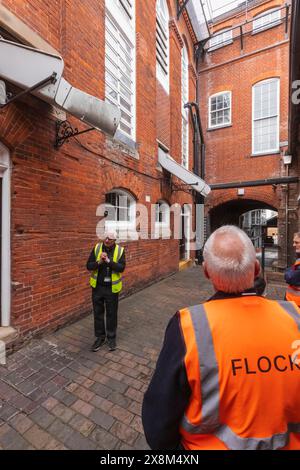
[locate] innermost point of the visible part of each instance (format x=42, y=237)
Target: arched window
x=121, y=208
x=184, y=111
x=220, y=39
x=265, y=116
x=120, y=61
x=162, y=43
x=266, y=20
x=162, y=219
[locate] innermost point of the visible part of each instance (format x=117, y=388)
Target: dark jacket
x=292, y=275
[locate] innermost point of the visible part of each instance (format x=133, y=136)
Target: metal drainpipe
x=200, y=155
x=287, y=218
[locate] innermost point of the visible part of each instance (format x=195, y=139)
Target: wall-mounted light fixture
x=287, y=159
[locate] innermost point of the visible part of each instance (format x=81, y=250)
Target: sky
x=218, y=7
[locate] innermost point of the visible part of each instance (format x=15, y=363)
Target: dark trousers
x=104, y=301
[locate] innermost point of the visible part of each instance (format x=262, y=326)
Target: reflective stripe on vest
x=210, y=390
x=115, y=277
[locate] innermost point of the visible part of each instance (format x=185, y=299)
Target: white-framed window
x=120, y=61
x=266, y=20
x=220, y=109
x=220, y=39
x=265, y=116
x=184, y=111
x=162, y=219
x=121, y=208
x=162, y=43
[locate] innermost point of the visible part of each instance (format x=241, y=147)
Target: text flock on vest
x=263, y=364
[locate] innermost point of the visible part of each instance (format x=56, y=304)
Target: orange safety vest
x=293, y=292
x=243, y=373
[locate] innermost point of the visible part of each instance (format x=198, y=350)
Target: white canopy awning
x=169, y=164
x=25, y=66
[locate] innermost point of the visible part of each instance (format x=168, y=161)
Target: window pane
x=266, y=135
x=267, y=19
x=162, y=37
x=125, y=128
x=226, y=101
x=119, y=70
x=220, y=109
x=110, y=93
x=226, y=116
x=111, y=80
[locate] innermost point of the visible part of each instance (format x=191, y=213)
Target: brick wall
x=55, y=194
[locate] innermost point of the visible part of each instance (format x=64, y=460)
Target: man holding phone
x=107, y=263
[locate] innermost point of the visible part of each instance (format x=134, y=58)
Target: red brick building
x=138, y=56
x=244, y=102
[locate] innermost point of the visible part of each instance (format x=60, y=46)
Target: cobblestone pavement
x=56, y=394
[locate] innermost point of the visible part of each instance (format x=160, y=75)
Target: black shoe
x=112, y=345
x=97, y=344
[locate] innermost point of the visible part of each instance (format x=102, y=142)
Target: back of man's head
x=230, y=260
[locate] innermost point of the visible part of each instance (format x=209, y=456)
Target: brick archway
x=229, y=212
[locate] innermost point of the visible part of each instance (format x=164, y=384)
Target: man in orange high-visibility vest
x=292, y=274
x=228, y=375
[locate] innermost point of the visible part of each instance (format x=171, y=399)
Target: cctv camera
x=105, y=214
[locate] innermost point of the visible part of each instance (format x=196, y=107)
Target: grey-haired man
x=107, y=263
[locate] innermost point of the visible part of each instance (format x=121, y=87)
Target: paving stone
x=115, y=385
x=135, y=408
x=53, y=444
x=14, y=378
x=60, y=431
x=21, y=423
x=101, y=390
x=9, y=436
x=27, y=387
x=101, y=403
x=121, y=414
x=119, y=399
x=42, y=417
x=19, y=401
x=63, y=412
x=37, y=437
x=65, y=397
x=104, y=439
x=124, y=433
x=79, y=442
x=7, y=411
x=102, y=419
x=136, y=424
x=50, y=403
x=134, y=394
x=82, y=407
x=82, y=425
x=84, y=394
x=38, y=395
